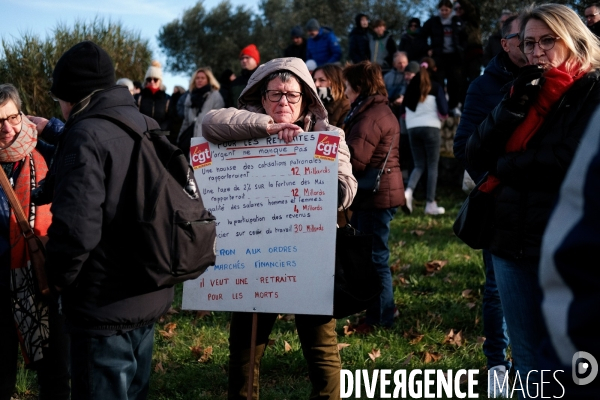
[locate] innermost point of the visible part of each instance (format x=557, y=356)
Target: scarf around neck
x=23, y=145
x=557, y=81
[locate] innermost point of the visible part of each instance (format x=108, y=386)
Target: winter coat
x=382, y=50
x=370, y=131
x=104, y=290
x=483, y=95
x=530, y=180
x=337, y=111
x=155, y=106
x=213, y=101
x=359, y=45
x=251, y=121
x=415, y=46
x=296, y=51
x=324, y=48
x=237, y=87
x=434, y=29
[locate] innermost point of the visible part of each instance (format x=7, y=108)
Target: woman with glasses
x=281, y=99
x=153, y=100
x=526, y=145
x=330, y=87
x=373, y=135
x=202, y=97
x=24, y=161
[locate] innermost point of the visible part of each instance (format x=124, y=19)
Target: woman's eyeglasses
x=276, y=95
x=13, y=120
x=152, y=79
x=546, y=43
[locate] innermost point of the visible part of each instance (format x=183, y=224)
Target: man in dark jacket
x=359, y=40
x=322, y=46
x=484, y=94
x=110, y=307
x=249, y=60
x=592, y=18
x=298, y=47
x=381, y=46
x=412, y=42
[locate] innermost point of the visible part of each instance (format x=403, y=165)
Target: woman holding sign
x=373, y=137
x=281, y=99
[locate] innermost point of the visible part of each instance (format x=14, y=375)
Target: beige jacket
x=250, y=120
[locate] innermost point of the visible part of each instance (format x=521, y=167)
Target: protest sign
x=275, y=205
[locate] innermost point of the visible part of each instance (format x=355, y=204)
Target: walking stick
x=252, y=363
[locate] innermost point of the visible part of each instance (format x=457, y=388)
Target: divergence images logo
x=200, y=155
x=583, y=363
x=327, y=147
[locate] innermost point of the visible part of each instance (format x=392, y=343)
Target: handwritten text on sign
x=275, y=205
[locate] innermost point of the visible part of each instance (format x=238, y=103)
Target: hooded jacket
x=324, y=48
x=103, y=289
x=358, y=47
x=250, y=120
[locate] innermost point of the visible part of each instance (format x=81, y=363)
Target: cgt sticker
x=200, y=156
x=327, y=147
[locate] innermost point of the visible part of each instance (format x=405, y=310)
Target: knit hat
x=82, y=69
x=413, y=67
x=251, y=51
x=154, y=71
x=312, y=25
x=297, y=31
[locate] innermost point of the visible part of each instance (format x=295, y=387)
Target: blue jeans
x=521, y=298
x=425, y=147
x=377, y=222
x=494, y=324
x=112, y=367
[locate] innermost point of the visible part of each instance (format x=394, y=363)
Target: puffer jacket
x=324, y=48
x=370, y=132
x=250, y=121
x=530, y=180
x=213, y=101
x=155, y=106
x=104, y=290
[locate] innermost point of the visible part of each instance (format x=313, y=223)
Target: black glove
x=526, y=88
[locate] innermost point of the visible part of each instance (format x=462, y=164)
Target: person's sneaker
x=497, y=386
x=432, y=208
x=408, y=195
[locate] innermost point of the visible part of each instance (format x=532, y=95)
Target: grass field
x=191, y=348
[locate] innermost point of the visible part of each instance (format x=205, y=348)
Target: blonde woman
x=527, y=144
x=203, y=96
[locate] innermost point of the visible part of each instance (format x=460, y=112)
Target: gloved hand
x=526, y=88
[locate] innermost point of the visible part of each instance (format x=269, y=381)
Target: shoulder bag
x=357, y=283
x=474, y=224
x=368, y=184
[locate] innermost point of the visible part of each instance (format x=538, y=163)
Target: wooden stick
x=252, y=363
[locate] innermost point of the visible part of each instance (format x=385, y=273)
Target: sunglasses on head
x=152, y=79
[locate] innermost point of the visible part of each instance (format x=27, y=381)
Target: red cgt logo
x=200, y=155
x=327, y=147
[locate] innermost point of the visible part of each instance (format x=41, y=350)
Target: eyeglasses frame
x=19, y=115
x=555, y=39
x=283, y=94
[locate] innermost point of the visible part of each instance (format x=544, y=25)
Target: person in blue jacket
x=484, y=94
x=322, y=46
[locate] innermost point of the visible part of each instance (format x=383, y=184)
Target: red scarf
x=558, y=81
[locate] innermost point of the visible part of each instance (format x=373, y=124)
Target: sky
x=144, y=16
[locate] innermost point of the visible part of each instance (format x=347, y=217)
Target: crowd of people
x=521, y=124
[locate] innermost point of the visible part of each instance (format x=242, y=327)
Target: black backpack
x=173, y=236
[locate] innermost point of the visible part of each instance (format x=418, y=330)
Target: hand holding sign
x=286, y=132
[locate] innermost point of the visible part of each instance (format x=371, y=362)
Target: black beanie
x=83, y=68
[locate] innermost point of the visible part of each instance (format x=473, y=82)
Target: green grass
x=429, y=304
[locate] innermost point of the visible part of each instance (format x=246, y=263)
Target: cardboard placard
x=276, y=206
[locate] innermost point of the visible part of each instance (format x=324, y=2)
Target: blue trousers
x=521, y=298
x=112, y=367
x=494, y=324
x=377, y=222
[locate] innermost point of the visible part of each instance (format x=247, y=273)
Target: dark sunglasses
x=152, y=79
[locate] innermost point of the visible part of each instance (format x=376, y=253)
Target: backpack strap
x=132, y=131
